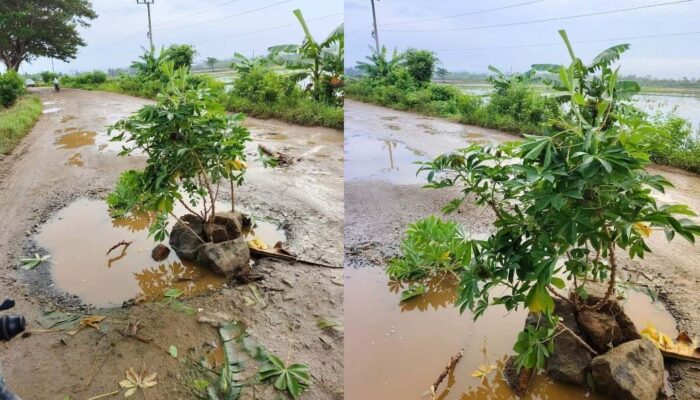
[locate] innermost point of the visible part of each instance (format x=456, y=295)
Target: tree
x=420, y=64
x=41, y=28
x=193, y=146
x=378, y=65
x=47, y=76
x=182, y=55
x=565, y=204
x=211, y=61
x=314, y=60
x=441, y=73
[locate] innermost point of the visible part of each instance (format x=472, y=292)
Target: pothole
x=75, y=138
x=382, y=337
x=78, y=237
x=375, y=159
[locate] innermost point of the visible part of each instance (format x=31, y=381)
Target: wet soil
x=425, y=337
x=40, y=183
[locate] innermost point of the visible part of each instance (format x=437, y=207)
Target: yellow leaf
x=92, y=321
x=238, y=165
x=126, y=384
x=483, y=371
x=257, y=244
x=642, y=228
x=445, y=256
x=130, y=392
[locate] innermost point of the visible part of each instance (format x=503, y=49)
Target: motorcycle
x=10, y=326
x=56, y=87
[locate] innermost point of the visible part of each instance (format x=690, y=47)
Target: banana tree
x=243, y=65
x=378, y=65
x=321, y=62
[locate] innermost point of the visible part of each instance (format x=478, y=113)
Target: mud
x=377, y=212
x=307, y=198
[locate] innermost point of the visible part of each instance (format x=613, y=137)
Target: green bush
x=16, y=121
x=11, y=88
x=420, y=65
x=261, y=84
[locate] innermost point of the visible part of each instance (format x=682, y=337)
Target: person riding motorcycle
x=55, y=84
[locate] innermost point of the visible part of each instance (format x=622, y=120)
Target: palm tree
x=377, y=65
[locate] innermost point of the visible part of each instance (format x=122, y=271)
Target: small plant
x=565, y=204
x=192, y=146
x=31, y=263
x=11, y=88
x=293, y=379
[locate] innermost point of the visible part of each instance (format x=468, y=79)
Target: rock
x=230, y=259
x=518, y=382
x=596, y=292
x=231, y=221
x=570, y=361
x=160, y=252
x=216, y=233
x=630, y=371
x=601, y=328
x=186, y=241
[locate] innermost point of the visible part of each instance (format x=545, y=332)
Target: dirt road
x=66, y=158
x=383, y=197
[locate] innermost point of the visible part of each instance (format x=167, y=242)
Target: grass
x=299, y=111
x=17, y=120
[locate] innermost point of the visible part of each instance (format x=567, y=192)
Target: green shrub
x=11, y=88
x=420, y=64
x=16, y=121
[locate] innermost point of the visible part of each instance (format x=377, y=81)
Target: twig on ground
x=102, y=396
x=263, y=253
x=122, y=243
x=448, y=368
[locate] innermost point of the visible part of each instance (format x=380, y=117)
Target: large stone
x=231, y=221
x=186, y=237
x=601, y=328
x=630, y=371
x=230, y=259
x=570, y=361
x=596, y=292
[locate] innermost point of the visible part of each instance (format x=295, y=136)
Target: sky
x=117, y=36
x=434, y=25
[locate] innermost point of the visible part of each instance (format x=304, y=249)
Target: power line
x=470, y=28
x=226, y=17
x=196, y=13
x=415, y=21
x=574, y=42
x=269, y=29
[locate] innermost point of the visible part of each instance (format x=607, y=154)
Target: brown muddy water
x=78, y=237
x=396, y=351
x=75, y=138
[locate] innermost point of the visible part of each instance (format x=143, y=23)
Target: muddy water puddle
x=381, y=159
x=78, y=237
x=75, y=138
x=397, y=351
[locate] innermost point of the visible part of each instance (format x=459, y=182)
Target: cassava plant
x=192, y=148
x=565, y=203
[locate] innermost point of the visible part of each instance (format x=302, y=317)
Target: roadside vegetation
x=18, y=113
x=523, y=103
x=566, y=204
x=300, y=84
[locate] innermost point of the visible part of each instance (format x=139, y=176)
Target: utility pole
x=376, y=33
x=150, y=31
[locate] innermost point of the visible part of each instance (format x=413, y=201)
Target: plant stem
x=101, y=396
x=577, y=337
